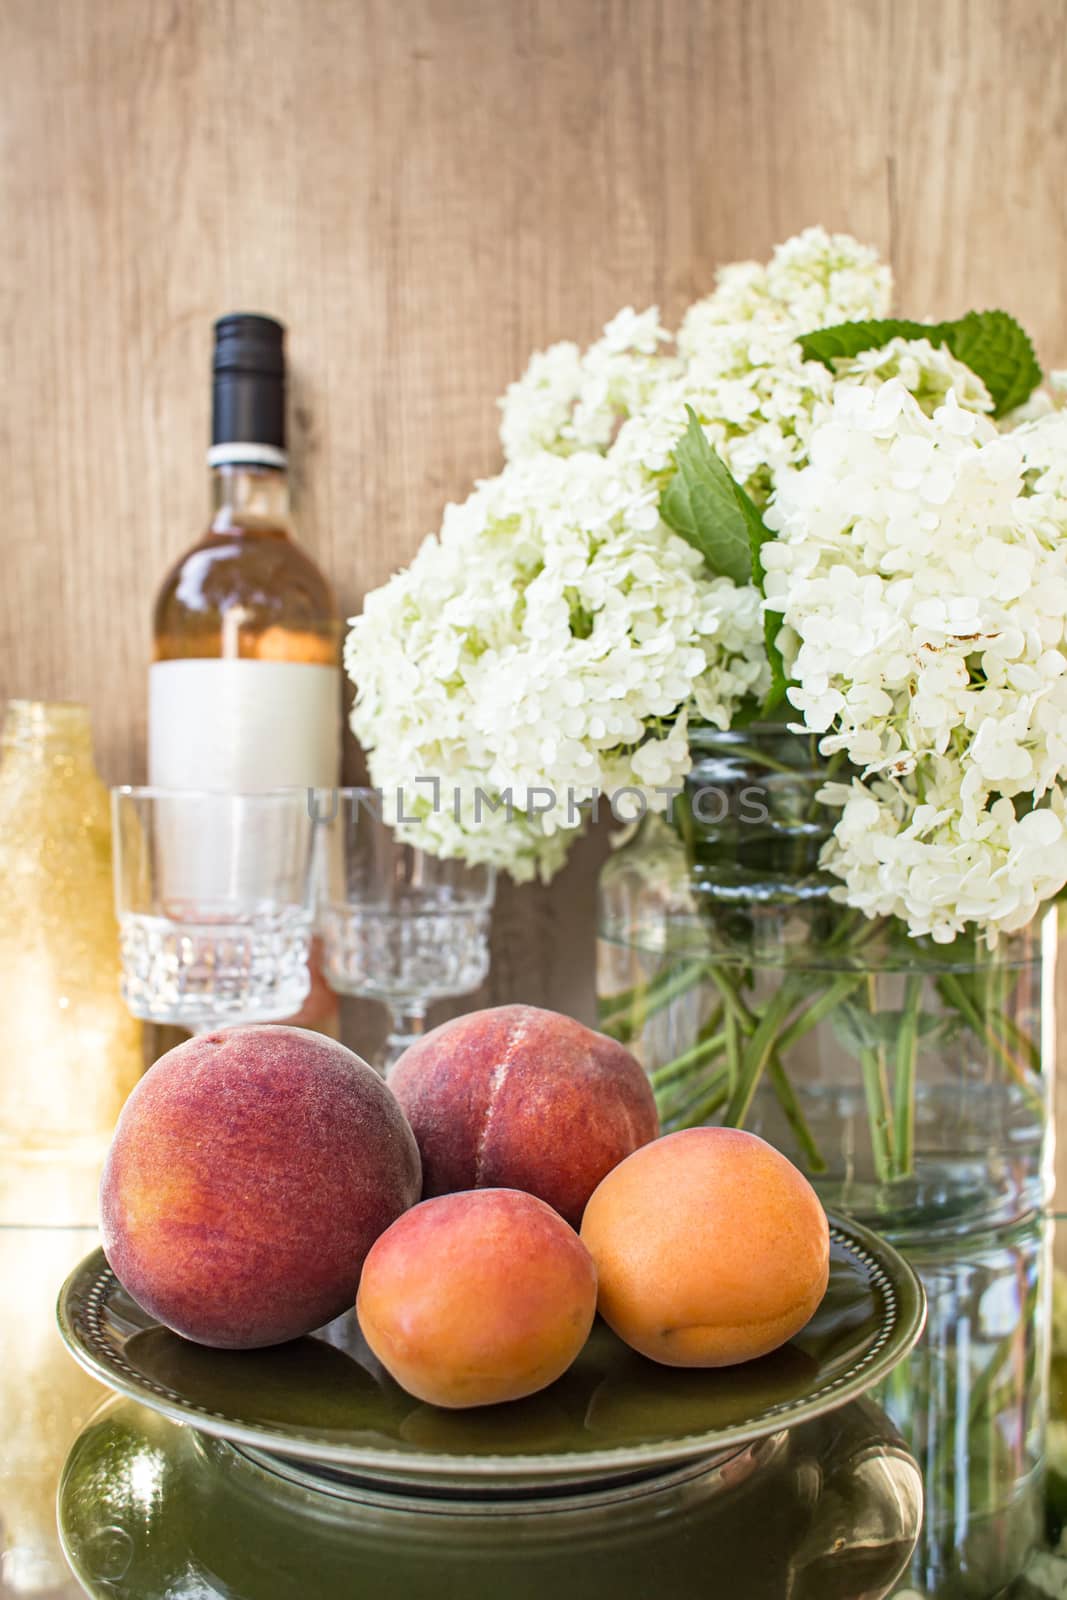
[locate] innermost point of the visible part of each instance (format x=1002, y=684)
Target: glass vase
x=909, y=1080
x=69, y=1050
x=972, y=1401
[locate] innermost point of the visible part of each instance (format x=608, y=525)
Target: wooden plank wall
x=425, y=190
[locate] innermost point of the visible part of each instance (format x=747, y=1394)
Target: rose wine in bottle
x=245, y=684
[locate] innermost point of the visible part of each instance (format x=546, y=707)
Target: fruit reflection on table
x=828, y=1511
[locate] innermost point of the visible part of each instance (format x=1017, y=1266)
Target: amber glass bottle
x=245, y=682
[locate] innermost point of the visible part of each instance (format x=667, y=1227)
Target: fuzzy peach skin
x=250, y=1172
x=472, y=1299
x=710, y=1247
x=524, y=1099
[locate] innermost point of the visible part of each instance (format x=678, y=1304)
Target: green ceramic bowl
x=326, y=1400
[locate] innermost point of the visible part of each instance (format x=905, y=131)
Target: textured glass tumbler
x=214, y=895
x=397, y=924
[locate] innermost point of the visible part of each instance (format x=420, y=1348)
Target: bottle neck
x=241, y=494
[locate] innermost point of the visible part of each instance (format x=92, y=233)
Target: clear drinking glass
x=215, y=898
x=398, y=925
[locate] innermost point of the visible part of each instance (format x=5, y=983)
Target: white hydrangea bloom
x=566, y=401
x=921, y=566
x=812, y=281
x=736, y=360
x=939, y=866
x=537, y=408
x=755, y=395
x=759, y=400
x=926, y=370
x=547, y=641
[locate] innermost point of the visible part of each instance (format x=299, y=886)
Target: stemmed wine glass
x=215, y=899
x=398, y=924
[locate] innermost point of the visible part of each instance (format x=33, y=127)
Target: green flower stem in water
x=876, y=1087
x=877, y=1113
x=794, y=1116
x=629, y=1011
x=735, y=1006
x=956, y=994
x=904, y=1080
x=696, y=1114
x=1020, y=1040
x=733, y=1051
x=740, y=1028
x=719, y=1073
x=739, y=1024
x=818, y=1010
x=683, y=1066
x=757, y=1050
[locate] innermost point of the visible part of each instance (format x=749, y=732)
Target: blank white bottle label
x=243, y=726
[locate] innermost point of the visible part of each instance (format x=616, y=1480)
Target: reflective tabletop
x=148, y=1508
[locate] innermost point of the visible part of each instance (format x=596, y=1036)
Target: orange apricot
x=710, y=1248
x=474, y=1298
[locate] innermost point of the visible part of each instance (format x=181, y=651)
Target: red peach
x=522, y=1098
x=250, y=1172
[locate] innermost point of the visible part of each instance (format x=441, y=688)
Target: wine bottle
x=245, y=686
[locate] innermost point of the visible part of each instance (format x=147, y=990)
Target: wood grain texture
x=426, y=190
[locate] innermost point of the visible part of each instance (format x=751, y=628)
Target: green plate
x=326, y=1400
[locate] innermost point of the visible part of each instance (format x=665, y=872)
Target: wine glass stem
x=406, y=1024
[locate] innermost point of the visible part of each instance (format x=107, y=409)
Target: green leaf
x=701, y=505
x=706, y=505
x=846, y=339
x=758, y=534
x=991, y=343
x=772, y=622
x=755, y=527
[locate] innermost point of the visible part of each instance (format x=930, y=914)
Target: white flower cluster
x=566, y=401
x=921, y=568
x=812, y=281
x=543, y=648
x=737, y=365
x=554, y=639
x=759, y=400
x=556, y=635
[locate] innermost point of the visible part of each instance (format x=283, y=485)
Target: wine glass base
x=393, y=1048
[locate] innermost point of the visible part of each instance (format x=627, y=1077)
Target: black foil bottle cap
x=248, y=391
